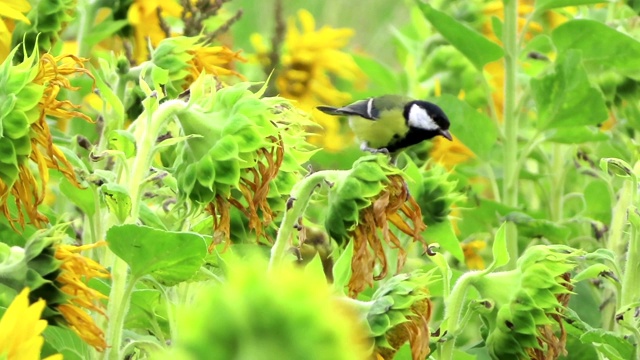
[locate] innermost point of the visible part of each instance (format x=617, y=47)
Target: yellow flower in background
x=75, y=271
x=216, y=60
x=10, y=10
x=143, y=16
x=471, y=252
x=311, y=58
x=450, y=153
x=21, y=330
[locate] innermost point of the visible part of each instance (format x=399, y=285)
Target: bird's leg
x=364, y=146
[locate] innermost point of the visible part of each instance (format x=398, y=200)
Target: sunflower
x=472, y=256
x=311, y=58
x=216, y=60
x=11, y=10
x=143, y=15
x=75, y=271
x=21, y=329
x=26, y=134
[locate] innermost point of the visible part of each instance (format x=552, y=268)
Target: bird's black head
x=426, y=116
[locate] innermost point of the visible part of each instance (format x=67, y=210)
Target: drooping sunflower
x=33, y=87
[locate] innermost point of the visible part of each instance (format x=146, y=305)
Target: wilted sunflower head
x=245, y=141
x=526, y=320
x=366, y=199
x=58, y=274
x=401, y=312
x=30, y=91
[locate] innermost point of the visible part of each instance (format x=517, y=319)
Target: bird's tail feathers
x=330, y=110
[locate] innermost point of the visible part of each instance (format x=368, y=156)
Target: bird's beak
x=446, y=134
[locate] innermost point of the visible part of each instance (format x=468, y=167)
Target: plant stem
x=87, y=10
x=119, y=297
x=453, y=312
x=557, y=185
x=300, y=196
x=630, y=290
x=510, y=186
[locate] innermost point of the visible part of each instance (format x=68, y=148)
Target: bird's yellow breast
x=381, y=132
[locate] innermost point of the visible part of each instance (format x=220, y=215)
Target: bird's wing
x=369, y=108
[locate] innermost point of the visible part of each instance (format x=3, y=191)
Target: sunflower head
x=364, y=200
x=58, y=274
x=281, y=314
x=526, y=320
x=401, y=312
x=437, y=194
x=240, y=145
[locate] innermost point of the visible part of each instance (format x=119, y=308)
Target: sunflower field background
x=168, y=189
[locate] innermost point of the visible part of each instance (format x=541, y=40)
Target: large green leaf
x=603, y=48
x=565, y=98
x=543, y=5
x=476, y=130
x=477, y=48
x=170, y=257
x=67, y=343
x=499, y=249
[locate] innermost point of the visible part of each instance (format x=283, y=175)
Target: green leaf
x=82, y=198
x=591, y=272
x=614, y=346
x=565, y=98
x=314, y=269
x=443, y=234
x=67, y=343
x=477, y=48
x=543, y=5
x=118, y=200
x=499, y=249
x=577, y=135
x=170, y=257
x=122, y=140
x=603, y=48
x=342, y=268
x=380, y=75
x=108, y=95
x=476, y=130
x=616, y=167
x=535, y=228
x=598, y=199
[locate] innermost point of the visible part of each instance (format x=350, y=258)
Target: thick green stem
x=557, y=186
x=453, y=313
x=121, y=287
x=631, y=279
x=300, y=196
x=87, y=10
x=511, y=171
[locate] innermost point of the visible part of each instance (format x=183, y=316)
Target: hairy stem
x=511, y=171
x=300, y=196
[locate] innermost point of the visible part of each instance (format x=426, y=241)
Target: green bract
x=48, y=19
x=19, y=99
x=248, y=143
x=528, y=301
x=172, y=55
x=35, y=267
x=353, y=191
x=257, y=314
x=401, y=311
x=437, y=194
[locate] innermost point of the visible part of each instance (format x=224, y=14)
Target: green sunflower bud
x=48, y=19
x=401, y=312
x=529, y=301
x=437, y=194
x=282, y=315
x=19, y=110
x=172, y=55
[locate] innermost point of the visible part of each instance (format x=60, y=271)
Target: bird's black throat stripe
x=413, y=137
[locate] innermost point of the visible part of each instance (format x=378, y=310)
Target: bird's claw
x=365, y=147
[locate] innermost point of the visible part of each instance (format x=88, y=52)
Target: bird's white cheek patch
x=418, y=118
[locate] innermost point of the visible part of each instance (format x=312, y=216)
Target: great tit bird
x=391, y=123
